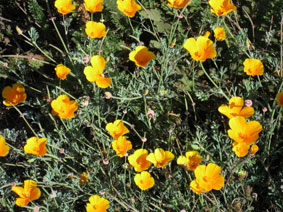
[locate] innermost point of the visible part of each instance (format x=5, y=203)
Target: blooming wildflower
x=64, y=107
x=208, y=177
x=121, y=146
x=200, y=49
x=179, y=3
x=243, y=131
x=83, y=178
x=95, y=29
x=191, y=160
x=138, y=160
x=94, y=73
x=64, y=6
x=254, y=149
x=28, y=193
x=62, y=71
x=253, y=67
x=4, y=148
x=117, y=129
x=241, y=149
x=141, y=56
x=35, y=209
x=265, y=109
x=128, y=7
x=36, y=146
x=97, y=204
x=14, y=95
x=221, y=7
x=248, y=103
x=235, y=108
x=150, y=113
x=144, y=180
x=219, y=33
x=194, y=186
x=279, y=98
x=93, y=5
x=160, y=158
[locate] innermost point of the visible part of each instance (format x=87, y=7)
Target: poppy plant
x=243, y=131
x=191, y=160
x=94, y=73
x=62, y=71
x=97, y=204
x=95, y=29
x=63, y=107
x=235, y=108
x=117, y=129
x=121, y=146
x=221, y=7
x=219, y=33
x=14, y=95
x=179, y=4
x=93, y=5
x=28, y=193
x=36, y=146
x=144, y=180
x=64, y=6
x=208, y=177
x=4, y=148
x=138, y=160
x=241, y=149
x=200, y=49
x=253, y=67
x=128, y=7
x=160, y=158
x=141, y=56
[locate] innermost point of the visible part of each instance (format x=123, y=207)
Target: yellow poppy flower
x=179, y=3
x=64, y=6
x=219, y=33
x=242, y=131
x=144, y=180
x=235, y=108
x=64, y=107
x=28, y=193
x=62, y=71
x=117, y=129
x=95, y=29
x=93, y=5
x=14, y=95
x=141, y=56
x=97, y=204
x=138, y=160
x=191, y=160
x=94, y=73
x=160, y=158
x=4, y=148
x=36, y=146
x=128, y=7
x=221, y=7
x=253, y=67
x=241, y=149
x=254, y=149
x=208, y=177
x=200, y=49
x=279, y=98
x=121, y=146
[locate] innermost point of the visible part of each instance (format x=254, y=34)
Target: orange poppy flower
x=179, y=4
x=253, y=67
x=144, y=180
x=160, y=158
x=117, y=129
x=4, y=148
x=254, y=149
x=64, y=6
x=97, y=204
x=219, y=33
x=241, y=149
x=36, y=146
x=62, y=71
x=221, y=7
x=235, y=108
x=138, y=160
x=95, y=29
x=93, y=5
x=141, y=56
x=128, y=7
x=121, y=146
x=64, y=107
x=94, y=73
x=191, y=160
x=200, y=49
x=279, y=98
x=14, y=95
x=28, y=193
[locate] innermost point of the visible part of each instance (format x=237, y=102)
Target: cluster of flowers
x=244, y=133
